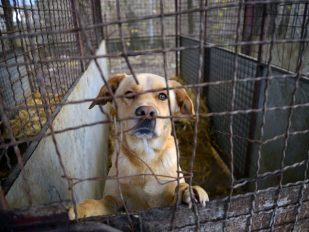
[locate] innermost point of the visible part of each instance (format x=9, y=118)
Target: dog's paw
x=198, y=194
x=88, y=208
x=80, y=210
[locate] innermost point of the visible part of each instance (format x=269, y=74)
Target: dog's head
x=146, y=103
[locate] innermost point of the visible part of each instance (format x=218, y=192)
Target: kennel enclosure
x=248, y=60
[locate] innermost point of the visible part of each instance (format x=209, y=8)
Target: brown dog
x=146, y=164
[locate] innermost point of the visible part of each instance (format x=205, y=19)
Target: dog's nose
x=146, y=111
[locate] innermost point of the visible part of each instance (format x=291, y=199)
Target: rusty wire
x=154, y=16
x=38, y=65
x=202, y=38
x=231, y=141
x=300, y=60
x=163, y=36
x=265, y=93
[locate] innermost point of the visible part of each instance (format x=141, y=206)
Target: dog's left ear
x=183, y=100
x=113, y=83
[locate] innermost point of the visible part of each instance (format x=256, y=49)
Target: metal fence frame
x=232, y=205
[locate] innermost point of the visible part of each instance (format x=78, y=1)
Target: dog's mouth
x=145, y=128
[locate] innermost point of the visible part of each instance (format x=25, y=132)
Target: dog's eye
x=129, y=95
x=162, y=96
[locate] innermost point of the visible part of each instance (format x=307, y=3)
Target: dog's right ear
x=103, y=95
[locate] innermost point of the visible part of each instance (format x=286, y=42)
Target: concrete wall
x=84, y=151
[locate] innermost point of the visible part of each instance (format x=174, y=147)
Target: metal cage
x=247, y=60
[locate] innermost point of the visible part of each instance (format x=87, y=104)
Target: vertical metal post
x=207, y=50
x=97, y=18
x=256, y=94
x=190, y=18
x=105, y=30
x=247, y=28
x=206, y=21
x=176, y=38
x=78, y=35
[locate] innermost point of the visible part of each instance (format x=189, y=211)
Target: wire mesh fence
x=246, y=64
x=38, y=39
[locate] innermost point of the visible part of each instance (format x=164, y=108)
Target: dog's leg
x=198, y=194
x=91, y=207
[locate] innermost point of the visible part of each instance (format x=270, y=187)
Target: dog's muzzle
x=145, y=127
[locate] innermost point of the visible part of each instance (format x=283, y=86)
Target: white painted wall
x=84, y=151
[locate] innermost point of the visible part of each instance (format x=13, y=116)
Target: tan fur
x=146, y=178
x=104, y=95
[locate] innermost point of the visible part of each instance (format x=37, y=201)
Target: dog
x=144, y=169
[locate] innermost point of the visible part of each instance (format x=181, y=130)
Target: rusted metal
x=79, y=40
x=304, y=31
x=177, y=38
x=54, y=216
x=232, y=105
x=97, y=18
x=279, y=208
x=248, y=27
x=257, y=88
